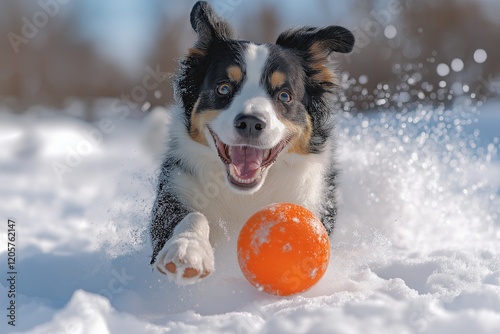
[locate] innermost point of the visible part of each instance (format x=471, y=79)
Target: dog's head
x=252, y=103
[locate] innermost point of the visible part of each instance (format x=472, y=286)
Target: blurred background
x=71, y=55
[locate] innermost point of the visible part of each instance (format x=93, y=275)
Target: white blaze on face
x=251, y=99
x=255, y=60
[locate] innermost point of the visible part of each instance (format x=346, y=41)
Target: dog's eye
x=224, y=89
x=284, y=96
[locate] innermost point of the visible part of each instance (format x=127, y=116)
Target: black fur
x=219, y=59
x=200, y=72
x=168, y=210
x=332, y=39
x=215, y=41
x=211, y=28
x=329, y=214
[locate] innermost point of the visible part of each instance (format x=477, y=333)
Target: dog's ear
x=316, y=45
x=323, y=40
x=209, y=26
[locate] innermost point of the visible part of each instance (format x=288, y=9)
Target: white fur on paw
x=191, y=255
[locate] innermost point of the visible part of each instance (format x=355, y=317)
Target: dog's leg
x=187, y=256
x=180, y=237
x=329, y=212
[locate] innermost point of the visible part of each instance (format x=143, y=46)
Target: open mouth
x=246, y=164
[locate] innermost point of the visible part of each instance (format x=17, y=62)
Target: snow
x=416, y=248
x=457, y=65
x=480, y=56
x=443, y=70
x=390, y=31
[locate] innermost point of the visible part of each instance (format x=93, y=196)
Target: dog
x=252, y=126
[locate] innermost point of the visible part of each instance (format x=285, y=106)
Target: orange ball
x=283, y=249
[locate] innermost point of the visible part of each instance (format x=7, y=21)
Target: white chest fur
x=294, y=178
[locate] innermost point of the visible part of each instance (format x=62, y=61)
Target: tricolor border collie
x=253, y=127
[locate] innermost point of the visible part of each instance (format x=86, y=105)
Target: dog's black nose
x=249, y=126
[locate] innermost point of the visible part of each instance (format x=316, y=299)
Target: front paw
x=186, y=259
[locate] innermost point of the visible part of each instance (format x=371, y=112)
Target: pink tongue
x=246, y=160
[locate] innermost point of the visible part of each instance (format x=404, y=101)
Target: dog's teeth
x=268, y=153
x=229, y=153
x=232, y=172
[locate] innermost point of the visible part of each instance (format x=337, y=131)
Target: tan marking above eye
x=277, y=79
x=234, y=73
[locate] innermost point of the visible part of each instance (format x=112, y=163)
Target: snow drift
x=416, y=247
